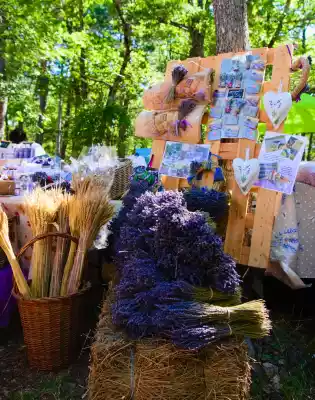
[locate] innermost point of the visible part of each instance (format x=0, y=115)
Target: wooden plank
x=183, y=184
x=270, y=56
x=157, y=150
x=257, y=150
x=245, y=255
x=236, y=224
x=249, y=221
x=228, y=151
x=267, y=200
x=262, y=229
x=262, y=52
x=170, y=183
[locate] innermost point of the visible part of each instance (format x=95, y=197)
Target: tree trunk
x=43, y=83
x=197, y=43
x=231, y=25
x=6, y=127
x=59, y=119
x=59, y=126
x=281, y=21
x=126, y=54
x=3, y=112
x=3, y=98
x=122, y=145
x=66, y=127
x=84, y=88
x=122, y=133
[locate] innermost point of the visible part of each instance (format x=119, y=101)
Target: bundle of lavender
x=174, y=273
x=181, y=321
x=144, y=276
x=181, y=242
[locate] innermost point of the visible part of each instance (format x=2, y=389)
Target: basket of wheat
x=52, y=326
x=52, y=306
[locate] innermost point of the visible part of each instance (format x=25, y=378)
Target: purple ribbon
x=200, y=95
x=181, y=124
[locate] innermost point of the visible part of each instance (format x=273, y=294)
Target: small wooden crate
x=253, y=252
x=7, y=188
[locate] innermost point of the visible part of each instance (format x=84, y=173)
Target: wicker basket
x=121, y=179
x=52, y=326
x=12, y=235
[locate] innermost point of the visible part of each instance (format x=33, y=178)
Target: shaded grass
x=291, y=348
x=58, y=387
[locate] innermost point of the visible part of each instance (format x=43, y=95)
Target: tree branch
x=127, y=52
x=173, y=23
x=177, y=25
x=278, y=30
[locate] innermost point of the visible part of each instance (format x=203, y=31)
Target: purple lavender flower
x=162, y=249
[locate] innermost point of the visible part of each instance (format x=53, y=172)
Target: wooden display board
x=240, y=218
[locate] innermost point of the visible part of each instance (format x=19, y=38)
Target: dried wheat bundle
x=6, y=246
x=82, y=186
x=41, y=209
x=75, y=231
x=62, y=247
x=90, y=211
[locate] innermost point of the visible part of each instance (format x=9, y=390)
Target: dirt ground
x=19, y=382
x=283, y=368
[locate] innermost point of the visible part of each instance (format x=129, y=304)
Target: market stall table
x=13, y=206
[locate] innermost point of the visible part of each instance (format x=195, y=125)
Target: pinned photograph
x=275, y=143
x=178, y=157
x=292, y=148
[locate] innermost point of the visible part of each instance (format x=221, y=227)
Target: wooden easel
x=240, y=218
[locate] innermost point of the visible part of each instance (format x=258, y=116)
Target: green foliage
x=95, y=58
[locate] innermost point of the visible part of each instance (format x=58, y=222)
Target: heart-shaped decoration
x=245, y=173
x=277, y=106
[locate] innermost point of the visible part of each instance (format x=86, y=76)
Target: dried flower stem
x=41, y=208
x=6, y=246
x=61, y=249
x=90, y=211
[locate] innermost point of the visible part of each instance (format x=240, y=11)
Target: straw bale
x=156, y=370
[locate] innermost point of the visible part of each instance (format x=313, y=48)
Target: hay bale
x=157, y=370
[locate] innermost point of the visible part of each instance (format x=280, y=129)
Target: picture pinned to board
x=178, y=157
x=279, y=159
x=246, y=172
x=234, y=111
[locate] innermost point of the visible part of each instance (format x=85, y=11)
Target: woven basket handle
x=45, y=236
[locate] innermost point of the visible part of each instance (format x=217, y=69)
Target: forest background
x=72, y=72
